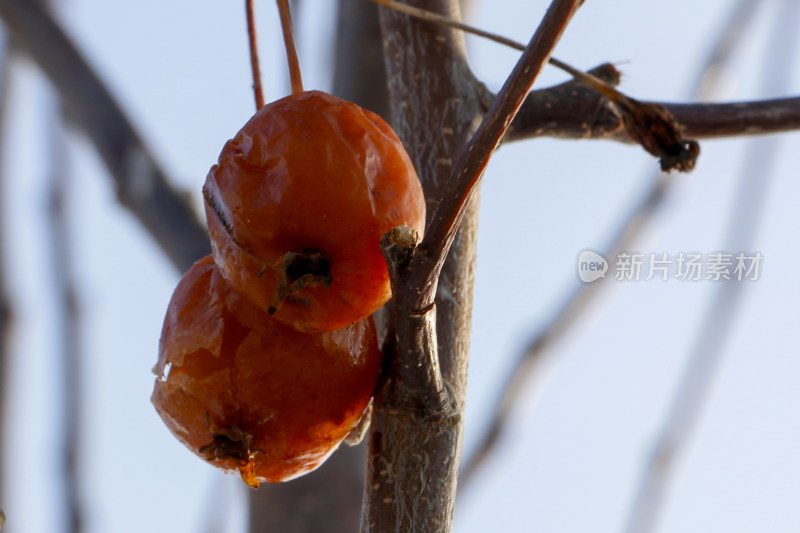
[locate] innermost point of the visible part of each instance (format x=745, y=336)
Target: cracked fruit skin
x=311, y=173
x=250, y=394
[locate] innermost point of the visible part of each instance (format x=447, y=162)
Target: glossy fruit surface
x=298, y=203
x=249, y=394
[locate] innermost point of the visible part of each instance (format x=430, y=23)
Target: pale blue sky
x=571, y=461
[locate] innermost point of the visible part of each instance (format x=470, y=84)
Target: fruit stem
x=288, y=42
x=253, y=44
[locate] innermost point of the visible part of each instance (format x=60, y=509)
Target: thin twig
x=439, y=19
x=291, y=50
x=650, y=125
x=531, y=361
x=595, y=83
x=472, y=161
x=709, y=349
x=6, y=304
x=68, y=320
x=252, y=42
x=68, y=317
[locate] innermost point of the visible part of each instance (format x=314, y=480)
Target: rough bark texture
x=427, y=71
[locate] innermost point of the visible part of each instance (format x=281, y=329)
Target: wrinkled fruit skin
x=311, y=172
x=251, y=395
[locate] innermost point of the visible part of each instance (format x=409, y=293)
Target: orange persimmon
x=250, y=394
x=298, y=202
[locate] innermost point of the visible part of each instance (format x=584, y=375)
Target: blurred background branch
x=142, y=185
x=67, y=327
x=6, y=303
x=714, y=331
x=533, y=361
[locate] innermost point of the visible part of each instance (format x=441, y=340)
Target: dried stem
x=291, y=50
x=253, y=46
x=531, y=361
x=708, y=351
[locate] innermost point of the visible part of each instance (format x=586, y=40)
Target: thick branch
x=415, y=443
x=414, y=458
x=142, y=186
x=704, y=121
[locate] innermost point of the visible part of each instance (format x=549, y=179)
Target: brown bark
x=415, y=442
x=568, y=112
x=435, y=109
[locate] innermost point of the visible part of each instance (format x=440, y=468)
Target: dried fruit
x=249, y=394
x=298, y=203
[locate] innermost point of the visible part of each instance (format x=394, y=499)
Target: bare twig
x=68, y=319
x=439, y=19
x=252, y=44
x=662, y=129
x=416, y=433
x=708, y=352
x=650, y=125
x=6, y=308
x=142, y=185
x=67, y=326
x=472, y=162
x=534, y=357
x=698, y=121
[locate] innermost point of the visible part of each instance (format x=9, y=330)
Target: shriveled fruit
x=298, y=203
x=249, y=394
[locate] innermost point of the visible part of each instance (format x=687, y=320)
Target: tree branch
x=415, y=442
x=474, y=158
x=142, y=185
x=560, y=113
x=435, y=107
x=67, y=327
x=6, y=301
